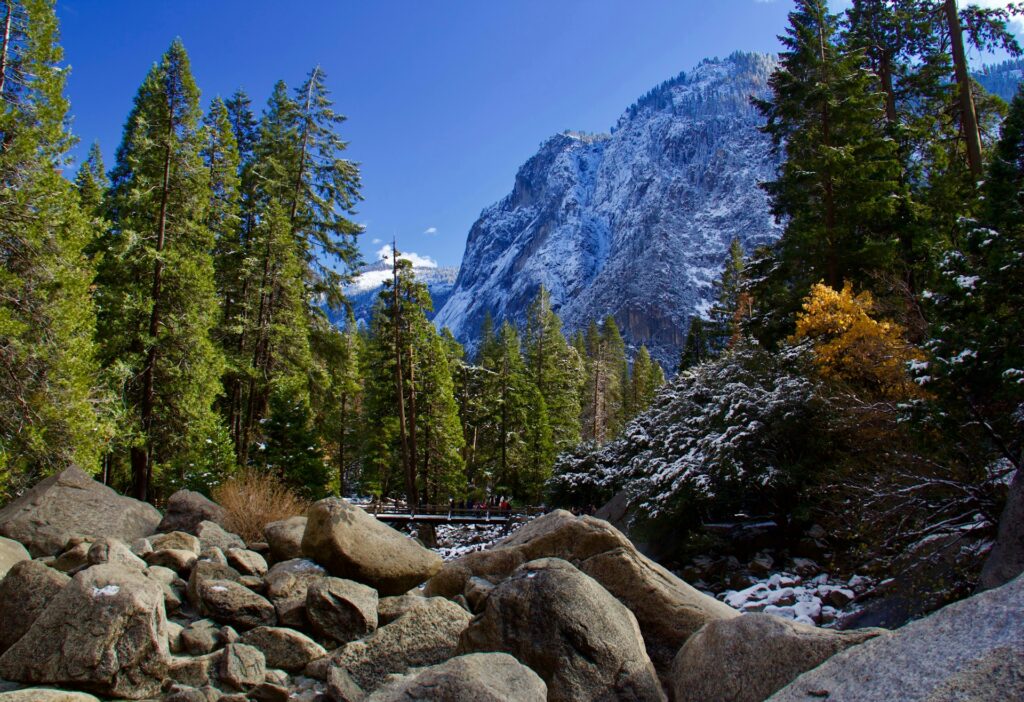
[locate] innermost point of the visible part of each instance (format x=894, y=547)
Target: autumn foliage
x=852, y=347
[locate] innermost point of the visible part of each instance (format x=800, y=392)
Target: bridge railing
x=452, y=512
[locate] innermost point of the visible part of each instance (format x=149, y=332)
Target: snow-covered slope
x=635, y=223
x=362, y=292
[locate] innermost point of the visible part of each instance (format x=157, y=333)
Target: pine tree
x=731, y=303
x=607, y=376
x=556, y=369
x=156, y=281
x=505, y=388
x=839, y=183
x=339, y=396
x=977, y=347
x=324, y=191
x=645, y=379
x=92, y=181
x=441, y=441
x=50, y=397
x=292, y=450
x=697, y=349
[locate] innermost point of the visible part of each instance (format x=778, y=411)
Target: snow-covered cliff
x=635, y=223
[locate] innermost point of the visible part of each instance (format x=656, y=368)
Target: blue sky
x=445, y=98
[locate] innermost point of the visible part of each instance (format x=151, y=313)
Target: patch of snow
x=107, y=591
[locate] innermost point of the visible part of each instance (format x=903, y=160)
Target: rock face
x=667, y=609
x=562, y=624
x=425, y=635
x=11, y=552
x=352, y=544
x=635, y=224
x=71, y=503
x=747, y=658
x=476, y=677
x=105, y=632
x=969, y=650
x=1006, y=560
x=26, y=591
x=186, y=509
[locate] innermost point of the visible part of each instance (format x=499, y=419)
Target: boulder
x=204, y=571
x=212, y=535
x=11, y=552
x=354, y=545
x=26, y=591
x=44, y=694
x=667, y=609
x=74, y=556
x=584, y=643
x=105, y=632
x=246, y=562
x=425, y=635
x=241, y=666
x=200, y=637
x=287, y=583
x=283, y=648
x=285, y=538
x=476, y=677
x=748, y=658
x=341, y=610
x=969, y=650
x=1006, y=560
x=178, y=540
x=194, y=671
x=71, y=503
x=186, y=509
x=232, y=603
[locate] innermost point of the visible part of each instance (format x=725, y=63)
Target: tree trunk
x=409, y=468
x=6, y=47
x=142, y=470
x=968, y=115
x=341, y=444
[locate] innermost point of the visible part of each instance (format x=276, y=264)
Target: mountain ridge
x=634, y=223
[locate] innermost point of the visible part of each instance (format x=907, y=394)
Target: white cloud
x=430, y=230
x=376, y=241
x=384, y=254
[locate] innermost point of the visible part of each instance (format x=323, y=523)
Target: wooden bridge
x=443, y=514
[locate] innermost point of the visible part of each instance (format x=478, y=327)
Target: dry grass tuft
x=254, y=499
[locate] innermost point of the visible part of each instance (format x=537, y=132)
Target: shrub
x=850, y=346
x=253, y=499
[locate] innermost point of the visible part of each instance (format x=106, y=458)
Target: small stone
x=212, y=534
x=200, y=637
x=268, y=692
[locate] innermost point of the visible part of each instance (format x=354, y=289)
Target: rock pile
x=333, y=607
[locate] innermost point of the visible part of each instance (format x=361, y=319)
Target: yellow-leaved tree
x=850, y=346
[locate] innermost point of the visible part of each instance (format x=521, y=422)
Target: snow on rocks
x=819, y=600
